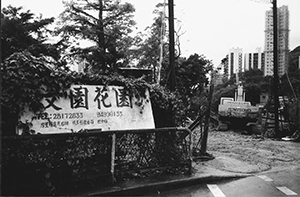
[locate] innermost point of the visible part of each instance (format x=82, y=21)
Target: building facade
x=255, y=60
x=235, y=61
x=283, y=41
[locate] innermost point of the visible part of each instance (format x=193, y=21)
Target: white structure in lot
x=235, y=61
x=255, y=60
x=283, y=41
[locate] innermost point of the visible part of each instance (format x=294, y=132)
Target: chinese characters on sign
x=92, y=107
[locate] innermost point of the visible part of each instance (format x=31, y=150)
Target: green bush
x=26, y=79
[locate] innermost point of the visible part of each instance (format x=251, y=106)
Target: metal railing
x=58, y=162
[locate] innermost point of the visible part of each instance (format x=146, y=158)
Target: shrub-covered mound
x=47, y=164
x=27, y=79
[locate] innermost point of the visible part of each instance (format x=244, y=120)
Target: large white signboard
x=92, y=107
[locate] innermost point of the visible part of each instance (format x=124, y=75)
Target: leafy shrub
x=26, y=79
x=39, y=166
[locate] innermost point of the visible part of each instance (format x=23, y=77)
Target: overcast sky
x=211, y=27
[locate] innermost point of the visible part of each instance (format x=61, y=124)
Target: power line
x=262, y=1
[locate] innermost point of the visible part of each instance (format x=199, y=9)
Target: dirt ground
x=250, y=153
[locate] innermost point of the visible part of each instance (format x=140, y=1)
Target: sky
x=208, y=27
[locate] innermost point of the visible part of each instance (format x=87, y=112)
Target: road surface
x=272, y=184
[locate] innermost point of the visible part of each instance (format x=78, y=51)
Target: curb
x=279, y=169
x=160, y=186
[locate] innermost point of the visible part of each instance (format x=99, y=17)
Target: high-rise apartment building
x=255, y=60
x=235, y=61
x=283, y=41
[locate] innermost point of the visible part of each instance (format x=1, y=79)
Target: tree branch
x=178, y=34
x=83, y=12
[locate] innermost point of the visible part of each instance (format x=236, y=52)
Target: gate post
x=113, y=154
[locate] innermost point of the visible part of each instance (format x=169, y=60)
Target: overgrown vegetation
x=69, y=164
x=54, y=165
x=26, y=79
x=33, y=67
x=44, y=166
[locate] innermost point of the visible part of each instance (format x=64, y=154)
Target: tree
x=191, y=80
x=190, y=74
x=147, y=53
x=253, y=80
x=26, y=57
x=252, y=76
x=227, y=91
x=290, y=87
x=224, y=63
x=155, y=41
x=23, y=31
x=254, y=84
x=291, y=80
x=106, y=24
x=22, y=74
x=294, y=59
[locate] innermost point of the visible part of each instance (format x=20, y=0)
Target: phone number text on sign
x=55, y=116
x=110, y=114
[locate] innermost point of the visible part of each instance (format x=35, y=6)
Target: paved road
x=274, y=184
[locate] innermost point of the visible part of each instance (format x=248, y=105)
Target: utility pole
x=161, y=44
x=275, y=62
x=203, y=147
x=172, y=81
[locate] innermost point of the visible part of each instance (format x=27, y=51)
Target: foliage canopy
x=106, y=25
x=22, y=30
